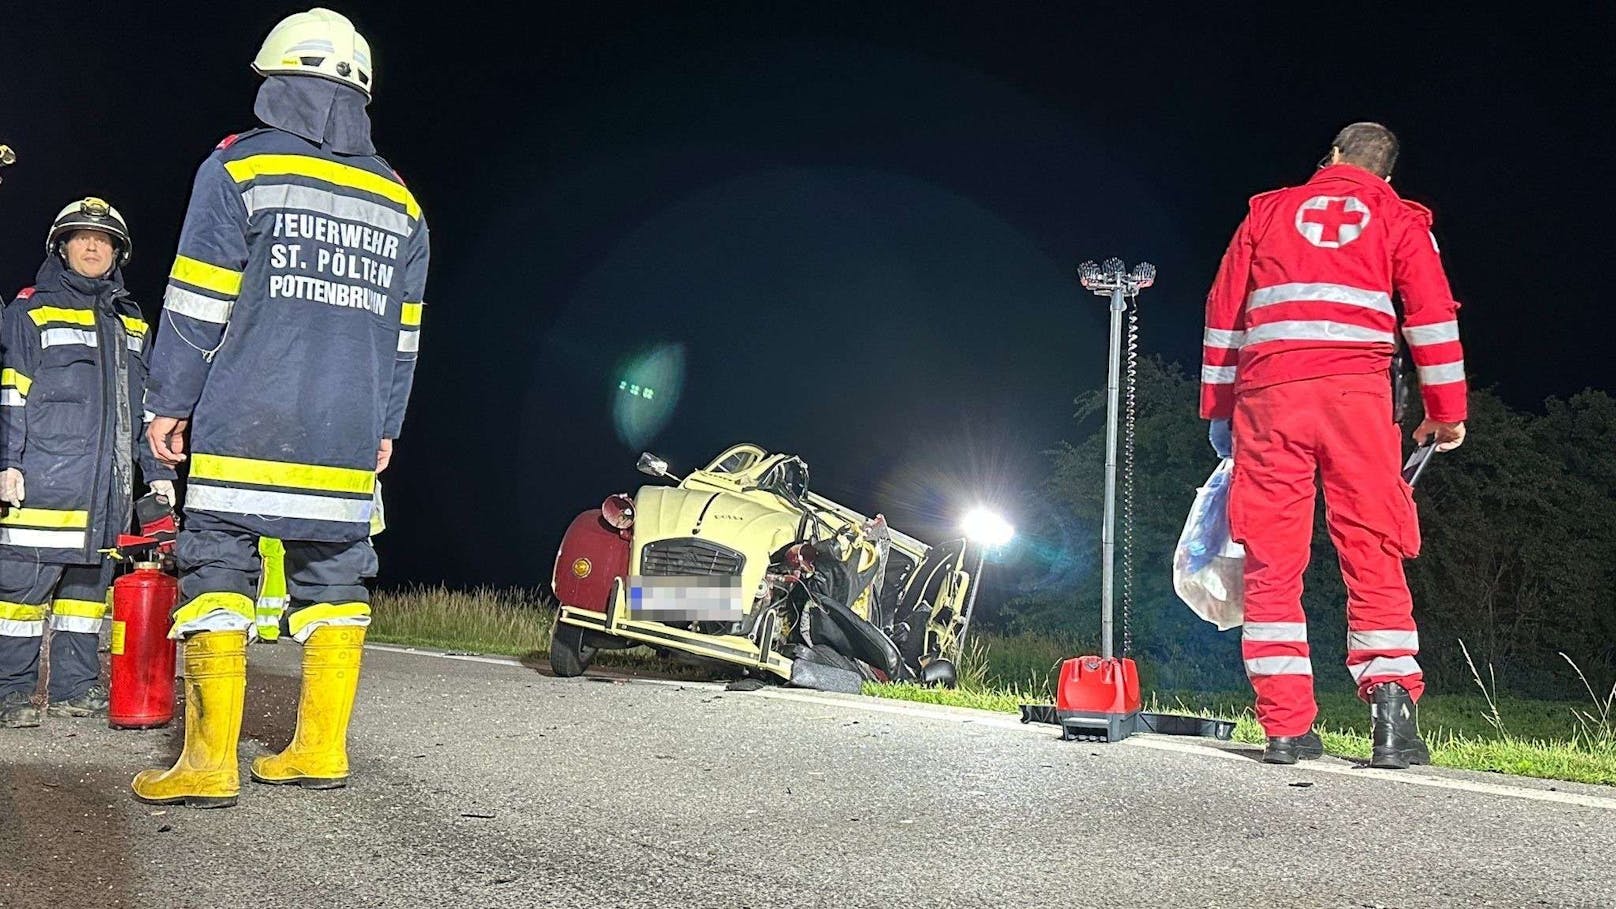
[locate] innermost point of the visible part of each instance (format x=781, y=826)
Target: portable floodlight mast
x=1112, y=280
x=1097, y=697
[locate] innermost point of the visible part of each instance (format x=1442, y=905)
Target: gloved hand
x=164, y=490
x=11, y=487
x=1222, y=438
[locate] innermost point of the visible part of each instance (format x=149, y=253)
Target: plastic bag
x=1208, y=567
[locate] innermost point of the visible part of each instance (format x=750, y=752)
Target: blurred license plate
x=685, y=599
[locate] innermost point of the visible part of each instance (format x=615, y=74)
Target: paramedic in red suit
x=1300, y=332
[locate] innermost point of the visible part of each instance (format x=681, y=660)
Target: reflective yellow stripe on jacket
x=11, y=378
x=45, y=517
x=228, y=469
x=409, y=335
x=207, y=276
x=250, y=168
x=45, y=315
x=14, y=388
x=44, y=528
x=313, y=492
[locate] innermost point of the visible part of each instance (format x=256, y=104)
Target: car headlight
x=618, y=511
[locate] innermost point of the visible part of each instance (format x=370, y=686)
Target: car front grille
x=689, y=557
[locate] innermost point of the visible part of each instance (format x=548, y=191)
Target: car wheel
x=939, y=673
x=569, y=656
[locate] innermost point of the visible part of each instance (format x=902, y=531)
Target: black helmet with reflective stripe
x=90, y=213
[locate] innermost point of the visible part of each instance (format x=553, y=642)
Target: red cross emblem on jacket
x=1332, y=221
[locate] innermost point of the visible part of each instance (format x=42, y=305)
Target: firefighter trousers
x=1339, y=428
x=75, y=596
x=216, y=557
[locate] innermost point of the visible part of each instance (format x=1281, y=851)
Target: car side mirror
x=651, y=465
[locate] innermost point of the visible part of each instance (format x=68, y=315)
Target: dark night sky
x=848, y=229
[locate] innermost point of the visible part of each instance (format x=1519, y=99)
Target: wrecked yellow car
x=741, y=563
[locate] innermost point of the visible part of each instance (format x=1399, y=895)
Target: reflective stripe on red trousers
x=1339, y=427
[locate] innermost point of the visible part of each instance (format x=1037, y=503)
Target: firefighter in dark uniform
x=286, y=354
x=72, y=373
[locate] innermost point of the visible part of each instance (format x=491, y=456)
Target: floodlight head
x=987, y=528
x=1144, y=275
x=1089, y=274
x=1114, y=267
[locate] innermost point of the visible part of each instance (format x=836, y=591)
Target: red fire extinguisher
x=142, y=655
x=142, y=695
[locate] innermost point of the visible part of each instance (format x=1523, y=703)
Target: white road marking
x=466, y=657
x=1407, y=777
x=1159, y=743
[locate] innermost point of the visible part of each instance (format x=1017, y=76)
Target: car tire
x=569, y=656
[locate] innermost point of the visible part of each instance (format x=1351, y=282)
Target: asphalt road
x=482, y=784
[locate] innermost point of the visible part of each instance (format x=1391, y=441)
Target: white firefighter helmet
x=90, y=213
x=317, y=43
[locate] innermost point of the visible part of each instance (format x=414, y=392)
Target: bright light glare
x=987, y=528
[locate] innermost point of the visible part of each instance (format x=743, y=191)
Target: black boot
x=17, y=711
x=1397, y=730
x=92, y=702
x=1288, y=749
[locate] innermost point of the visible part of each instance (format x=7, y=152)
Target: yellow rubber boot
x=318, y=755
x=205, y=776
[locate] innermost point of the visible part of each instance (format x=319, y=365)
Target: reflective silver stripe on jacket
x=1442, y=373
x=307, y=506
x=204, y=309
x=1378, y=301
x=1220, y=337
x=1439, y=333
x=264, y=197
x=42, y=539
x=56, y=337
x=1311, y=330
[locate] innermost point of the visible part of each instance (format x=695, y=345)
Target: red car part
x=593, y=554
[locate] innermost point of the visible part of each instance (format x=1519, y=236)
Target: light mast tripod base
x=1097, y=699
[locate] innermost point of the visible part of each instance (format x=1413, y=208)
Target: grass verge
x=1542, y=739
x=483, y=620
x=503, y=622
